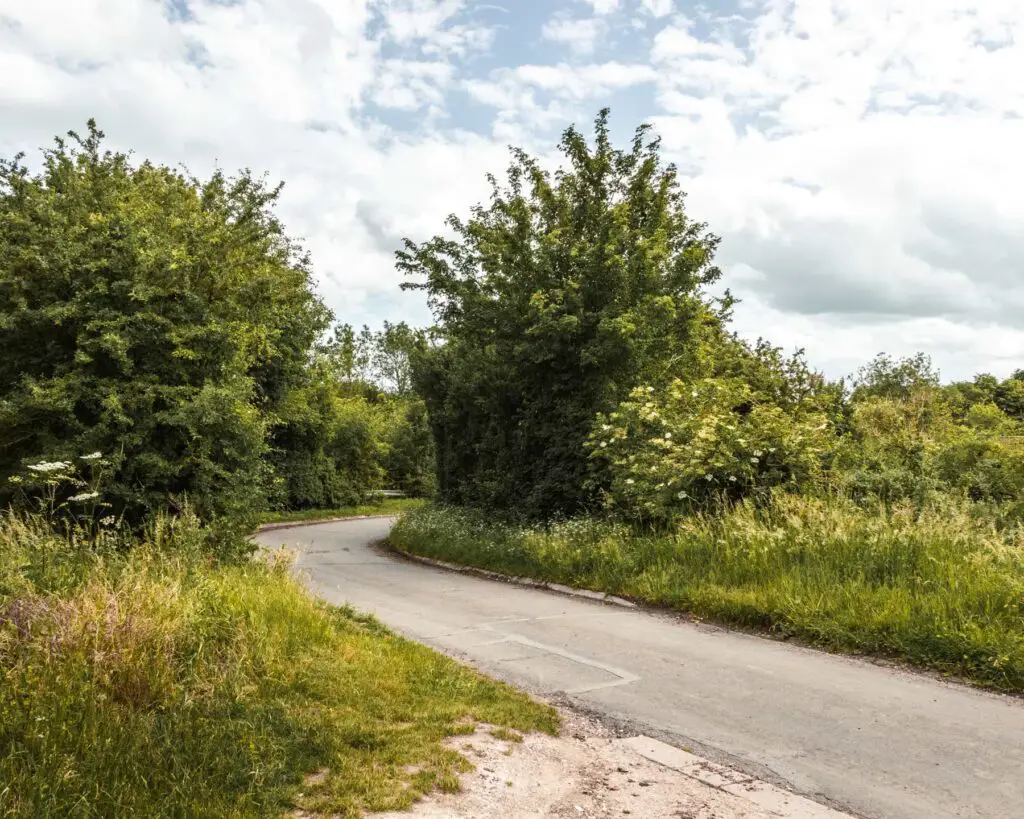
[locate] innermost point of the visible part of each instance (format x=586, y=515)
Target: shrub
x=150, y=316
x=696, y=444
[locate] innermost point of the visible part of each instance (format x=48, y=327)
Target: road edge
x=293, y=524
x=528, y=582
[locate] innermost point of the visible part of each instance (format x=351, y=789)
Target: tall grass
x=941, y=588
x=156, y=682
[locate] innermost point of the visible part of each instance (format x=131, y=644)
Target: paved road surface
x=884, y=743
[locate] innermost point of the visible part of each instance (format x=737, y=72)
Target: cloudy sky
x=863, y=160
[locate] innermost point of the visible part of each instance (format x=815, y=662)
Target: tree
x=885, y=377
x=158, y=319
x=380, y=358
x=552, y=303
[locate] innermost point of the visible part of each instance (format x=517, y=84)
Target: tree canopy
x=150, y=316
x=552, y=302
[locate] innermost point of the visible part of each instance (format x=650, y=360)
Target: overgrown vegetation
x=553, y=302
x=171, y=324
x=168, y=381
x=139, y=679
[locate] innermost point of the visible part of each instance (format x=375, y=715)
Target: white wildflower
x=753, y=460
x=758, y=453
x=707, y=476
x=630, y=481
x=604, y=444
x=50, y=466
x=84, y=496
x=732, y=478
x=668, y=436
x=681, y=495
x=92, y=456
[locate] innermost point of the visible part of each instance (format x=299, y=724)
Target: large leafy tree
x=552, y=302
x=158, y=319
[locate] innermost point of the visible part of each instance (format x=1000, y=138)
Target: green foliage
x=1008, y=395
x=939, y=586
x=148, y=682
x=912, y=447
x=552, y=303
x=409, y=464
x=153, y=317
x=354, y=427
x=748, y=420
x=327, y=449
x=381, y=358
x=884, y=377
x=698, y=444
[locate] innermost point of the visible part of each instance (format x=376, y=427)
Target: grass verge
x=162, y=684
x=388, y=506
x=942, y=589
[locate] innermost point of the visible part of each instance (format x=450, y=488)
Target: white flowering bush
x=67, y=490
x=693, y=445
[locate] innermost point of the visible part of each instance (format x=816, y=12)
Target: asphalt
x=878, y=741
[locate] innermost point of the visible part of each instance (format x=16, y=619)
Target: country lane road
x=881, y=742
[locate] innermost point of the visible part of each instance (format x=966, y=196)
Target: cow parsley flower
x=50, y=466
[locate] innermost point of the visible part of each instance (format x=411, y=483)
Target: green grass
x=387, y=506
x=161, y=684
x=944, y=590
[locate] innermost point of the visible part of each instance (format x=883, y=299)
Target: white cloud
x=860, y=158
x=603, y=6
x=532, y=98
x=580, y=35
x=658, y=8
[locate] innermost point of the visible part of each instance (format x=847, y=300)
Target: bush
x=910, y=448
x=553, y=302
x=153, y=317
x=695, y=445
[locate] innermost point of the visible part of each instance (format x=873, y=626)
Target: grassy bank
x=387, y=506
x=161, y=684
x=944, y=590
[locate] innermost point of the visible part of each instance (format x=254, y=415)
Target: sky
x=862, y=160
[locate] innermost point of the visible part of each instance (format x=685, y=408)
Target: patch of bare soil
x=584, y=774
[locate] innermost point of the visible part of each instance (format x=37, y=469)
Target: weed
x=156, y=682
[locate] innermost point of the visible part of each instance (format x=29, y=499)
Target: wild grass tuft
x=156, y=682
